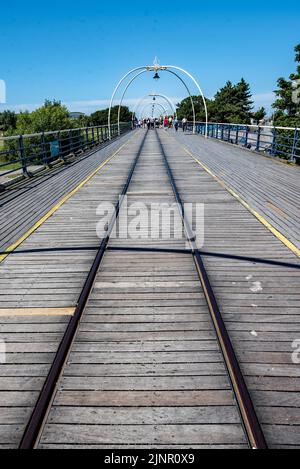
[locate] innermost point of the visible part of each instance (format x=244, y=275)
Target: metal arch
x=200, y=90
x=146, y=97
x=115, y=92
x=150, y=104
x=156, y=67
x=121, y=101
x=191, y=98
x=172, y=105
x=156, y=104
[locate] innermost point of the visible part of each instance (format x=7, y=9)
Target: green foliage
x=101, y=117
x=8, y=119
x=185, y=108
x=287, y=106
x=259, y=115
x=51, y=116
x=231, y=104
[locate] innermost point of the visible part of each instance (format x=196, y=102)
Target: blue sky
x=76, y=52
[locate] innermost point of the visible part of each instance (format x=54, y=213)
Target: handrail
x=21, y=154
x=274, y=141
x=251, y=125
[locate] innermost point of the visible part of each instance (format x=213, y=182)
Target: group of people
x=166, y=123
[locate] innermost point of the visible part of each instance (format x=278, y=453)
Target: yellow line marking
x=262, y=220
x=22, y=312
x=49, y=214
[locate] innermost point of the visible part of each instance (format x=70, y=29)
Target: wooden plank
x=141, y=434
x=149, y=415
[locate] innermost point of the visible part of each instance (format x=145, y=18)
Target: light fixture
x=156, y=76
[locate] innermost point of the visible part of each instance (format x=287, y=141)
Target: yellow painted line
x=262, y=220
x=23, y=312
x=59, y=204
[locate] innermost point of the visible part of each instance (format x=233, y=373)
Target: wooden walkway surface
x=26, y=203
x=145, y=369
x=269, y=186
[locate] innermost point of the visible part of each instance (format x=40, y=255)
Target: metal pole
x=23, y=155
x=156, y=104
x=128, y=85
x=115, y=92
x=200, y=90
x=172, y=105
x=191, y=98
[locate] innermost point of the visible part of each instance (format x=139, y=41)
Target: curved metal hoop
x=200, y=90
x=115, y=92
x=172, y=105
x=152, y=104
x=125, y=91
x=156, y=68
x=190, y=95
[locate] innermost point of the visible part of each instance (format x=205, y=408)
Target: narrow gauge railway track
x=249, y=421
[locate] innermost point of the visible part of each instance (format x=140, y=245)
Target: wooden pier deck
x=145, y=369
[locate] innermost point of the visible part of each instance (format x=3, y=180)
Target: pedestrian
x=166, y=123
x=184, y=124
x=170, y=122
x=148, y=124
x=176, y=125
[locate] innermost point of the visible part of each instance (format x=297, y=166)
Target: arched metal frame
x=125, y=91
x=153, y=104
x=190, y=95
x=172, y=105
x=156, y=68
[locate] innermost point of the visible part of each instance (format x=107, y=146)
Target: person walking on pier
x=184, y=124
x=176, y=125
x=166, y=123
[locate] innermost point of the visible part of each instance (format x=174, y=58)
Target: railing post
x=295, y=144
x=98, y=137
x=258, y=139
x=43, y=145
x=237, y=135
x=222, y=132
x=23, y=156
x=246, y=137
x=71, y=145
x=229, y=133
x=93, y=135
x=87, y=137
x=274, y=143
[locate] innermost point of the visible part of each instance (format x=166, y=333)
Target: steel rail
x=251, y=424
x=33, y=430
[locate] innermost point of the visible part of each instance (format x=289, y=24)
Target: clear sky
x=77, y=51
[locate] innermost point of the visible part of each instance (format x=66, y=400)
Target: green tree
x=287, y=104
x=184, y=109
x=8, y=119
x=259, y=115
x=233, y=103
x=101, y=117
x=51, y=116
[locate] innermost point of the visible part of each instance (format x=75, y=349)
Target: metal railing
x=280, y=142
x=22, y=155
